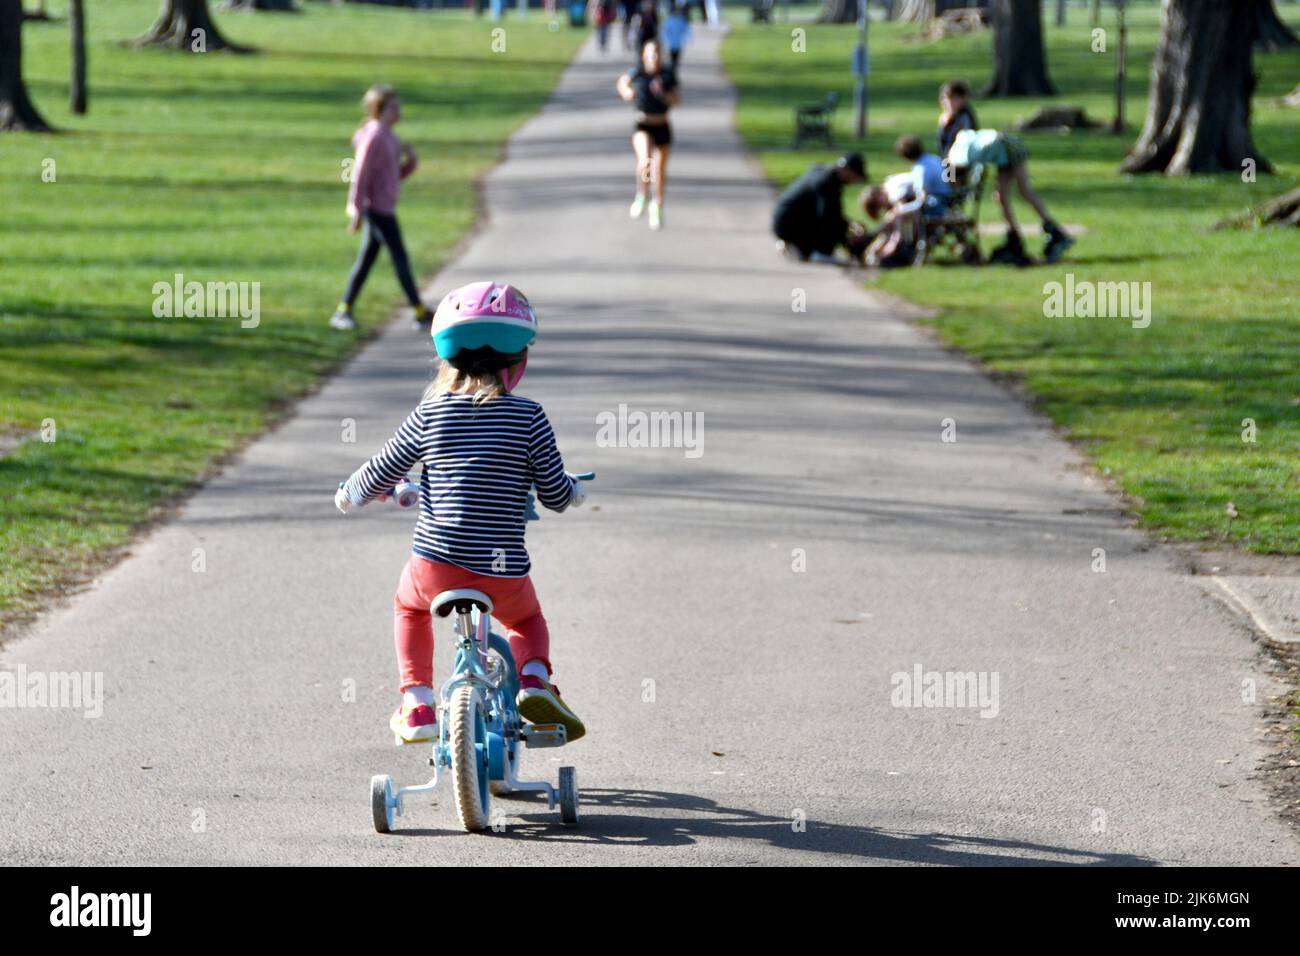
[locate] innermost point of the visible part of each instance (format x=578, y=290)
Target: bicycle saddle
x=461, y=600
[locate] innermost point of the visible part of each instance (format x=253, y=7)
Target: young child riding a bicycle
x=482, y=448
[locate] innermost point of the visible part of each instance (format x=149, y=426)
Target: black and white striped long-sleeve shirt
x=479, y=463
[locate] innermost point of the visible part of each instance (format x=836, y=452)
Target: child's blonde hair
x=376, y=98
x=484, y=386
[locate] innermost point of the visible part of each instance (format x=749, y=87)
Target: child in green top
x=1007, y=154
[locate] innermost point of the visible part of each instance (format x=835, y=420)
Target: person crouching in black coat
x=809, y=215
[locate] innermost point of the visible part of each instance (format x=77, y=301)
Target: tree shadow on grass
x=232, y=94
x=223, y=187
x=664, y=819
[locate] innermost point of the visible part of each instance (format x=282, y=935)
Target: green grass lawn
x=223, y=168
x=1159, y=408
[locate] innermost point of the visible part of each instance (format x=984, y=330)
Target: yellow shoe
x=539, y=703
x=414, y=725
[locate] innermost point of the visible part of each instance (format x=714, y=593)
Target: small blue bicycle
x=481, y=735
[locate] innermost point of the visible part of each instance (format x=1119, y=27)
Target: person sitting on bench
x=931, y=188
x=809, y=215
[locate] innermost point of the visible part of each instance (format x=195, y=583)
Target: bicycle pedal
x=544, y=735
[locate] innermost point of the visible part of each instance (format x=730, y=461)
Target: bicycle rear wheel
x=469, y=758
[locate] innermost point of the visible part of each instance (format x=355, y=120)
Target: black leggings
x=808, y=237
x=381, y=229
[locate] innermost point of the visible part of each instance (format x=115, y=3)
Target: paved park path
x=740, y=710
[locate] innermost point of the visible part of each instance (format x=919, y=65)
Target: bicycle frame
x=498, y=683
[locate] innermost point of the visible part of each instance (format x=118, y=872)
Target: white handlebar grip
x=579, y=493
x=407, y=494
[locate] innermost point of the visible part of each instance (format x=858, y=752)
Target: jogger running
x=652, y=88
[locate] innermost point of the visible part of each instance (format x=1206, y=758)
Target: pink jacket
x=378, y=171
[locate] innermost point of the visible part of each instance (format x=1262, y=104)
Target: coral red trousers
x=514, y=604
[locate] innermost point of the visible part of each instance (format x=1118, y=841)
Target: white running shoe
x=637, y=207
x=343, y=321
x=656, y=216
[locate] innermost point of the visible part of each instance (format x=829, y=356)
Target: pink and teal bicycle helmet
x=484, y=326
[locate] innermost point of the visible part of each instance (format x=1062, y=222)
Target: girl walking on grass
x=382, y=162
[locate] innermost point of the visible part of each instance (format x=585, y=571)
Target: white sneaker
x=343, y=321
x=656, y=216
x=637, y=207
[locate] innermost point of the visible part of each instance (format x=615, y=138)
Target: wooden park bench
x=814, y=122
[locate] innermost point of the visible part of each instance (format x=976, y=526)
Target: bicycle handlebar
x=406, y=494
x=530, y=502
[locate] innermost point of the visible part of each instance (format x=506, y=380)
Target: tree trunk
x=77, y=35
x=923, y=11
x=916, y=11
x=838, y=11
x=1281, y=210
x=187, y=26
x=1019, y=58
x=1060, y=13
x=1274, y=35
x=1198, y=108
x=16, y=110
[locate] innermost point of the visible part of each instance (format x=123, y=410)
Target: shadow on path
x=678, y=819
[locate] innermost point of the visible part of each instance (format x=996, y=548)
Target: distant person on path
x=652, y=88
x=645, y=25
x=482, y=447
x=630, y=8
x=955, y=113
x=677, y=32
x=809, y=215
x=602, y=13
x=382, y=162
x=1010, y=157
